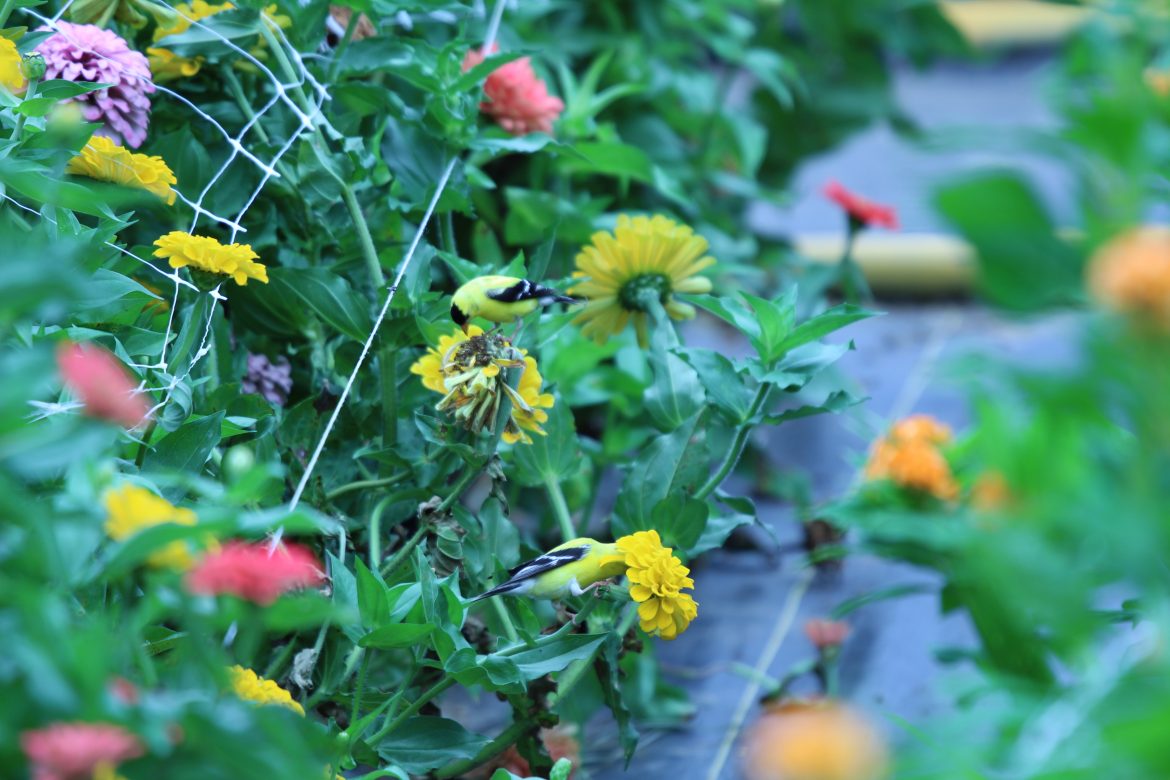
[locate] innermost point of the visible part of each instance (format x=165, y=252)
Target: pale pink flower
x=517, y=98
x=251, y=572
x=826, y=634
x=84, y=52
x=72, y=751
x=100, y=382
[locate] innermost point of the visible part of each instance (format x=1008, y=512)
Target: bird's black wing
x=547, y=562
x=525, y=290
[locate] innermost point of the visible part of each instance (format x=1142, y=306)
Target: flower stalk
x=738, y=442
x=556, y=498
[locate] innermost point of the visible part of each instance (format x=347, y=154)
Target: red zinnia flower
x=100, y=381
x=250, y=572
x=517, y=98
x=826, y=633
x=72, y=751
x=861, y=209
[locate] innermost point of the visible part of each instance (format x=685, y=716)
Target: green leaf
x=484, y=69
x=835, y=402
x=424, y=743
x=300, y=611
x=60, y=89
x=135, y=550
x=397, y=635
x=1023, y=264
x=553, y=655
x=328, y=295
x=671, y=463
x=612, y=159
x=188, y=448
x=372, y=603
x=554, y=456
x=680, y=520
x=725, y=386
x=823, y=324
x=676, y=393
x=611, y=692
x=775, y=320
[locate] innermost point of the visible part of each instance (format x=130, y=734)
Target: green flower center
x=642, y=291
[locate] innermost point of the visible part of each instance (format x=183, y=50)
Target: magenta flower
x=83, y=52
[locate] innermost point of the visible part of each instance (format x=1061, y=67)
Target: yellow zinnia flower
x=206, y=254
x=622, y=273
x=657, y=579
x=130, y=509
x=166, y=65
x=106, y=160
x=466, y=369
x=11, y=77
x=252, y=687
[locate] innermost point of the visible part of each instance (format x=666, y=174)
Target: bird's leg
x=599, y=587
x=515, y=337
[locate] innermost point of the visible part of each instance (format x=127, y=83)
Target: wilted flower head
x=251, y=572
x=104, y=159
x=468, y=369
x=818, y=740
x=252, y=687
x=1131, y=274
x=657, y=579
x=131, y=509
x=644, y=257
x=205, y=254
x=99, y=380
x=516, y=97
x=11, y=75
x=910, y=458
x=271, y=380
x=861, y=210
x=75, y=751
x=83, y=52
x=825, y=634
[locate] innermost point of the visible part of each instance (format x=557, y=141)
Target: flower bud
x=32, y=66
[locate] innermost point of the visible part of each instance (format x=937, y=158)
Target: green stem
x=492, y=749
x=573, y=674
x=343, y=44
x=361, y=685
x=237, y=93
x=556, y=497
x=369, y=251
x=363, y=484
x=374, y=543
x=290, y=72
x=277, y=663
x=738, y=442
x=404, y=551
x=388, y=381
x=854, y=287
x=6, y=10
x=413, y=709
x=29, y=93
x=447, y=234
x=140, y=456
x=505, y=620
x=465, y=479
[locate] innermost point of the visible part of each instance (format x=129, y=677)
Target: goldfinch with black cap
x=569, y=569
x=501, y=299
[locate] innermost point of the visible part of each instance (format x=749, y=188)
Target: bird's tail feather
x=548, y=295
x=507, y=587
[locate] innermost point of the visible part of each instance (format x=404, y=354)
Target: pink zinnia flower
x=861, y=209
x=100, y=382
x=825, y=634
x=250, y=572
x=84, y=52
x=72, y=751
x=517, y=98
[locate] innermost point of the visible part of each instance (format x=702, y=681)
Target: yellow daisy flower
x=131, y=509
x=206, y=254
x=165, y=65
x=657, y=579
x=11, y=77
x=250, y=686
x=623, y=272
x=466, y=369
x=106, y=160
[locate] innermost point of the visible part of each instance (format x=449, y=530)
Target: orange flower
x=861, y=210
x=251, y=572
x=516, y=97
x=100, y=382
x=1131, y=274
x=72, y=751
x=825, y=634
x=817, y=740
x=910, y=458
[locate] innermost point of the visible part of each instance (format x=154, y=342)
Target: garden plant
x=350, y=425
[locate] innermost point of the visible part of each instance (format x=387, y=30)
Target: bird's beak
x=464, y=326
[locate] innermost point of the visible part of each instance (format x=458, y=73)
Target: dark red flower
x=251, y=572
x=72, y=751
x=101, y=383
x=861, y=209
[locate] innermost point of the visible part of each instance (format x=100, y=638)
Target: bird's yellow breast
x=473, y=300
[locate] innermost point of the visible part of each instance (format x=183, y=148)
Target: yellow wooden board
x=1013, y=22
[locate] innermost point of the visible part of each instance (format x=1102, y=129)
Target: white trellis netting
x=283, y=97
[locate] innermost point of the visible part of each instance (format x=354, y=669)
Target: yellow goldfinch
x=501, y=299
x=566, y=570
